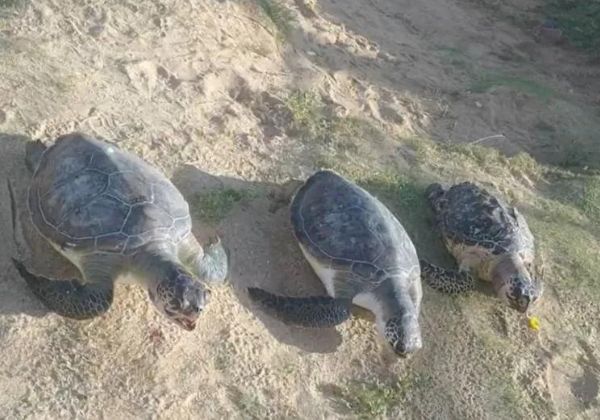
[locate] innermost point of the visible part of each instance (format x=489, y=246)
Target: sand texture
x=230, y=105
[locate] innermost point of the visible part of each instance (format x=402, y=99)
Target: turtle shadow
x=263, y=251
x=23, y=242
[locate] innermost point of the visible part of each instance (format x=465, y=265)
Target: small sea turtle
x=110, y=213
x=488, y=239
x=362, y=255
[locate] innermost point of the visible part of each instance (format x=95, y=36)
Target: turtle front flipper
x=69, y=298
x=210, y=264
x=313, y=312
x=444, y=280
x=214, y=265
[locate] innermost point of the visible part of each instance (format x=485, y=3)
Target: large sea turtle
x=362, y=255
x=489, y=239
x=110, y=213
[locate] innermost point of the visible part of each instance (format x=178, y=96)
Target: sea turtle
x=489, y=239
x=110, y=213
x=362, y=255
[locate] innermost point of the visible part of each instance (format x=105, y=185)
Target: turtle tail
x=33, y=154
x=312, y=312
x=68, y=298
x=444, y=280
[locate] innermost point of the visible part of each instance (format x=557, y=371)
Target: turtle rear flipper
x=312, y=312
x=69, y=298
x=444, y=280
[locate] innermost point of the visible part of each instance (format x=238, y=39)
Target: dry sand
x=197, y=88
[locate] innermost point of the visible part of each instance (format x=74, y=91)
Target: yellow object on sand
x=534, y=323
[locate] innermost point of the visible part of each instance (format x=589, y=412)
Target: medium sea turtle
x=110, y=213
x=362, y=255
x=488, y=239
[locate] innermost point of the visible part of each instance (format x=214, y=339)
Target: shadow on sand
x=263, y=251
x=15, y=297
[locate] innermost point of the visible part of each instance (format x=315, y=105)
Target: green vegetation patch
x=579, y=20
x=314, y=123
x=280, y=16
x=214, y=206
x=590, y=202
x=308, y=115
x=368, y=400
x=375, y=399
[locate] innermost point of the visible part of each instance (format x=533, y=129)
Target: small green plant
x=214, y=206
x=308, y=115
x=281, y=17
x=579, y=20
x=400, y=191
x=368, y=400
x=314, y=123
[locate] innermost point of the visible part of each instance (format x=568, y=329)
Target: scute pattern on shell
x=347, y=229
x=470, y=215
x=90, y=196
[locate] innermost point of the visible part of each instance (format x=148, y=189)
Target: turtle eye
x=174, y=303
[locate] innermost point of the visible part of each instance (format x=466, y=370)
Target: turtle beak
x=405, y=349
x=187, y=324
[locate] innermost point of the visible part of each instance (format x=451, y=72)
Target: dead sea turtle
x=489, y=240
x=362, y=255
x=110, y=213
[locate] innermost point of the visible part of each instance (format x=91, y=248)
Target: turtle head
x=181, y=298
x=515, y=285
x=522, y=292
x=403, y=333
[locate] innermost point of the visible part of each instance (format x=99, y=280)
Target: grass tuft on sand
x=279, y=15
x=214, y=206
x=316, y=124
x=580, y=21
x=366, y=400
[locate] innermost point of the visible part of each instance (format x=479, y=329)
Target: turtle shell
x=471, y=216
x=345, y=228
x=88, y=196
